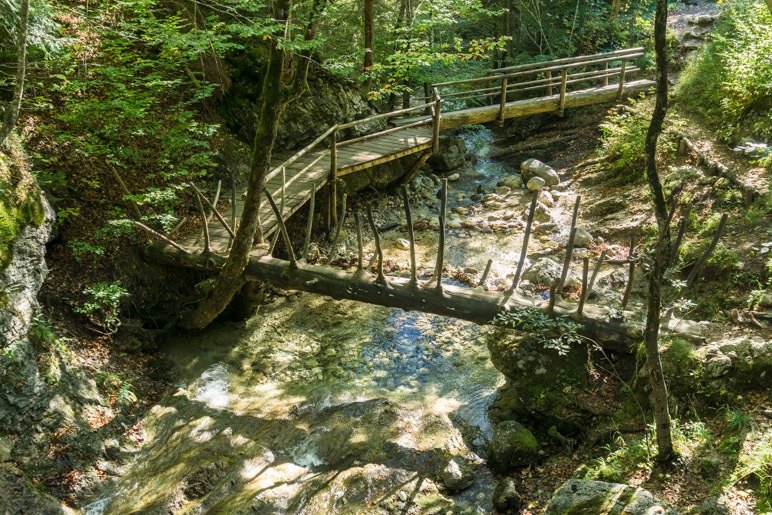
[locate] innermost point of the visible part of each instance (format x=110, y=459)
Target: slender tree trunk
x=615, y=11
x=656, y=377
x=769, y=6
x=231, y=278
x=369, y=60
x=11, y=113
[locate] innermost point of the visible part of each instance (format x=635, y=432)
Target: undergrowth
x=731, y=80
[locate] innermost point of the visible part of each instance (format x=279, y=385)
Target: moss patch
x=20, y=202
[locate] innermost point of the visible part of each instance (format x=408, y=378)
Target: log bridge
x=560, y=84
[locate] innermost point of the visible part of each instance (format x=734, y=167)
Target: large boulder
x=745, y=360
x=512, y=446
x=534, y=168
x=544, y=271
x=452, y=155
x=457, y=475
x=542, y=384
x=580, y=497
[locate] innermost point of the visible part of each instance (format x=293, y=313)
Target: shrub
x=104, y=305
x=731, y=80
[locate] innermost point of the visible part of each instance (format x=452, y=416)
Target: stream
x=323, y=406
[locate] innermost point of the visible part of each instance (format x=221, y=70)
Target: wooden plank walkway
x=578, y=81
x=313, y=171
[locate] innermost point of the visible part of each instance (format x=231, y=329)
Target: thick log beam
x=550, y=104
x=474, y=305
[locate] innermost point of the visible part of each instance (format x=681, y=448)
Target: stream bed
x=323, y=406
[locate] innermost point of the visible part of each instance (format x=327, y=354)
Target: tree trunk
x=11, y=113
x=651, y=335
x=472, y=304
x=615, y=11
x=369, y=60
x=769, y=6
x=231, y=279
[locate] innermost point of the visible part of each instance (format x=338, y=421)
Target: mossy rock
x=512, y=446
x=580, y=497
x=541, y=384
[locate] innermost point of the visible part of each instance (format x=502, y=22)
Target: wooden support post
x=214, y=202
x=485, y=275
x=582, y=297
x=161, y=237
x=283, y=228
x=524, y=251
x=681, y=230
x=214, y=209
x=706, y=255
x=341, y=220
x=207, y=246
x=416, y=166
x=570, y=247
x=436, y=122
x=441, y=244
x=629, y=287
x=605, y=75
x=310, y=222
x=596, y=270
x=411, y=237
x=621, y=81
x=360, y=248
x=549, y=83
x=281, y=210
x=427, y=96
x=334, y=179
x=553, y=297
x=567, y=261
x=381, y=279
x=502, y=101
x=563, y=84
x=233, y=206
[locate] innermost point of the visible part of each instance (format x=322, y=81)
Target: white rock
x=454, y=177
x=402, y=244
x=535, y=183
x=535, y=168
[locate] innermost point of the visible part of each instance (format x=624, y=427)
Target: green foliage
x=557, y=333
x=731, y=80
x=103, y=305
x=623, y=139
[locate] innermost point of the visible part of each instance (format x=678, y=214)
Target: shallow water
x=267, y=400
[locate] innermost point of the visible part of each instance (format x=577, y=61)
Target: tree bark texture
x=11, y=113
x=369, y=59
x=654, y=302
x=230, y=279
x=474, y=305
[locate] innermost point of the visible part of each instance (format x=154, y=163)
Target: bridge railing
x=334, y=132
x=548, y=78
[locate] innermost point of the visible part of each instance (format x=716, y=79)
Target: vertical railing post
x=427, y=96
x=549, y=83
x=605, y=77
x=503, y=101
x=563, y=82
x=436, y=122
x=621, y=81
x=334, y=179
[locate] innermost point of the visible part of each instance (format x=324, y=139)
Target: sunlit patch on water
x=213, y=387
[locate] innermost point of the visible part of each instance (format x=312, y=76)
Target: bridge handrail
x=567, y=60
x=332, y=151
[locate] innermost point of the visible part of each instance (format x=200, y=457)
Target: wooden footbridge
x=500, y=94
x=560, y=85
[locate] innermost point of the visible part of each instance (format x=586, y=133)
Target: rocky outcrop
x=745, y=360
x=579, y=497
x=328, y=101
x=20, y=281
x=451, y=155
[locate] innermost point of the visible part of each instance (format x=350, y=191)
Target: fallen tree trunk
x=472, y=304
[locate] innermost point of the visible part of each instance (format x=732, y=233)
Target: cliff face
x=328, y=101
x=29, y=220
